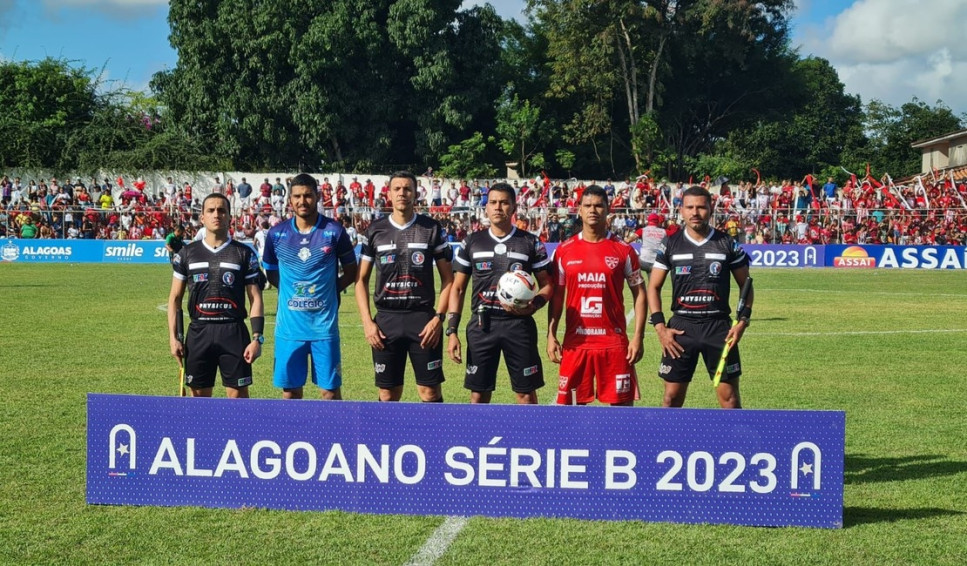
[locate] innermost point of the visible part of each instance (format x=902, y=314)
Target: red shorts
x=616, y=379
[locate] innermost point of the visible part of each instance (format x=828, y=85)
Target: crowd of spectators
x=926, y=212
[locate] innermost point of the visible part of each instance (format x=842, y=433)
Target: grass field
x=888, y=347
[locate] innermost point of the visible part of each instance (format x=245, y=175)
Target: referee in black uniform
x=402, y=248
x=700, y=260
x=485, y=255
x=219, y=273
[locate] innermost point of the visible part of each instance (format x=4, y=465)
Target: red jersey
x=593, y=274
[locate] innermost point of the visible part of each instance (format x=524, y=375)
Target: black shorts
x=402, y=331
x=517, y=339
x=211, y=347
x=705, y=337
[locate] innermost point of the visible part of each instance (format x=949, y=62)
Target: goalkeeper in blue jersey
x=302, y=258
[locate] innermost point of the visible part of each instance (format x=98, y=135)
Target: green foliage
x=820, y=127
x=55, y=119
x=523, y=131
x=646, y=138
x=318, y=85
x=892, y=130
x=720, y=165
x=565, y=158
x=43, y=103
x=465, y=159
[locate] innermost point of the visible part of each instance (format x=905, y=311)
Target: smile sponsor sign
x=748, y=467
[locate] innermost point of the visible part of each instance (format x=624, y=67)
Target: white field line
x=863, y=292
x=438, y=543
x=864, y=332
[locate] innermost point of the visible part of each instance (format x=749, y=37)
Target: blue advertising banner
x=83, y=251
x=897, y=257
x=776, y=255
x=748, y=467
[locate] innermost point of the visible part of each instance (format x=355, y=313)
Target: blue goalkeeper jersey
x=308, y=277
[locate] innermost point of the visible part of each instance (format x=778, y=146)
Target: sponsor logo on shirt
x=580, y=330
x=304, y=297
x=697, y=299
x=622, y=382
x=683, y=270
x=592, y=307
x=199, y=277
x=484, y=265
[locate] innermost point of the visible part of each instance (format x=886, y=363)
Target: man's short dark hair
x=697, y=191
x=404, y=175
x=305, y=180
x=228, y=203
x=596, y=191
x=506, y=189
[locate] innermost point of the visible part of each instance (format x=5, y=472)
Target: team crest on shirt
x=418, y=258
x=516, y=266
x=715, y=268
x=228, y=278
x=611, y=262
x=305, y=254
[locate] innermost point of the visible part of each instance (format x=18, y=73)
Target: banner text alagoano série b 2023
x=748, y=467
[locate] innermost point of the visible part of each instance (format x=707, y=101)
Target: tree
x=465, y=160
x=314, y=84
x=42, y=104
x=522, y=131
x=696, y=68
x=893, y=130
x=816, y=131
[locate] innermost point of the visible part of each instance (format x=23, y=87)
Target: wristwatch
x=450, y=331
x=259, y=338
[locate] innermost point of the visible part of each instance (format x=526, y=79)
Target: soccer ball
x=516, y=288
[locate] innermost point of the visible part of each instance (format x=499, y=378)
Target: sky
x=891, y=50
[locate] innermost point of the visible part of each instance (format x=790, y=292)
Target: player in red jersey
x=590, y=270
